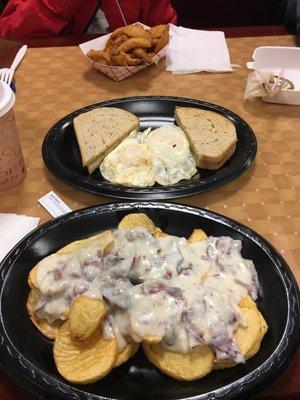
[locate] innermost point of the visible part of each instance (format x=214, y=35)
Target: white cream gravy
x=186, y=293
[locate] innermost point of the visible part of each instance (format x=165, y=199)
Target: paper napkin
x=193, y=50
x=13, y=228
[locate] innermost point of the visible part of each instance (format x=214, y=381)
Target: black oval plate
x=62, y=156
x=27, y=355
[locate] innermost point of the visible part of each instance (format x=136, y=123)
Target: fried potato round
x=103, y=238
x=263, y=325
x=157, y=31
x=247, y=338
x=86, y=315
x=159, y=234
x=263, y=331
x=32, y=280
x=247, y=302
x=132, y=43
x=152, y=339
x=84, y=362
x=134, y=220
x=50, y=331
x=197, y=236
x=182, y=366
x=127, y=353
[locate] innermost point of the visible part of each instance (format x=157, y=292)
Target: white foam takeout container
x=117, y=73
x=276, y=59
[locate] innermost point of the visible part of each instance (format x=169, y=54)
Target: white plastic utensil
x=6, y=74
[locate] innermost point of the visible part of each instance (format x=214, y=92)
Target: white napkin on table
x=13, y=228
x=191, y=50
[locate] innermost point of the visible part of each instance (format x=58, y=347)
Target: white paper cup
x=12, y=167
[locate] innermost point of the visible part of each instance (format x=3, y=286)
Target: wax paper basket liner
x=117, y=73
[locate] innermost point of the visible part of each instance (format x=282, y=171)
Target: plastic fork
x=6, y=74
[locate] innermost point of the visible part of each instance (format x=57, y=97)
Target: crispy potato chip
x=197, y=236
x=128, y=352
x=247, y=338
x=86, y=315
x=50, y=331
x=134, y=220
x=182, y=366
x=84, y=362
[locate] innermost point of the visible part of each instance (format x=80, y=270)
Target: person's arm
x=36, y=17
x=161, y=12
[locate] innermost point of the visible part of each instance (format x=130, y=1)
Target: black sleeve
x=291, y=15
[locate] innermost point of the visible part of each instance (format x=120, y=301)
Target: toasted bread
x=212, y=137
x=94, y=164
x=100, y=130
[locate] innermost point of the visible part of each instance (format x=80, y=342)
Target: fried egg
x=129, y=164
x=143, y=158
x=172, y=157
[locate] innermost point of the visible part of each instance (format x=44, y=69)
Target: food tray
x=276, y=59
x=116, y=73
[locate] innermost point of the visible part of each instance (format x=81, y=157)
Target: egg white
x=129, y=164
x=172, y=157
x=143, y=158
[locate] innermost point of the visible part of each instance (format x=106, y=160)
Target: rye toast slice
x=100, y=130
x=212, y=136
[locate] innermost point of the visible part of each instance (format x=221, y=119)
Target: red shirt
x=52, y=17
